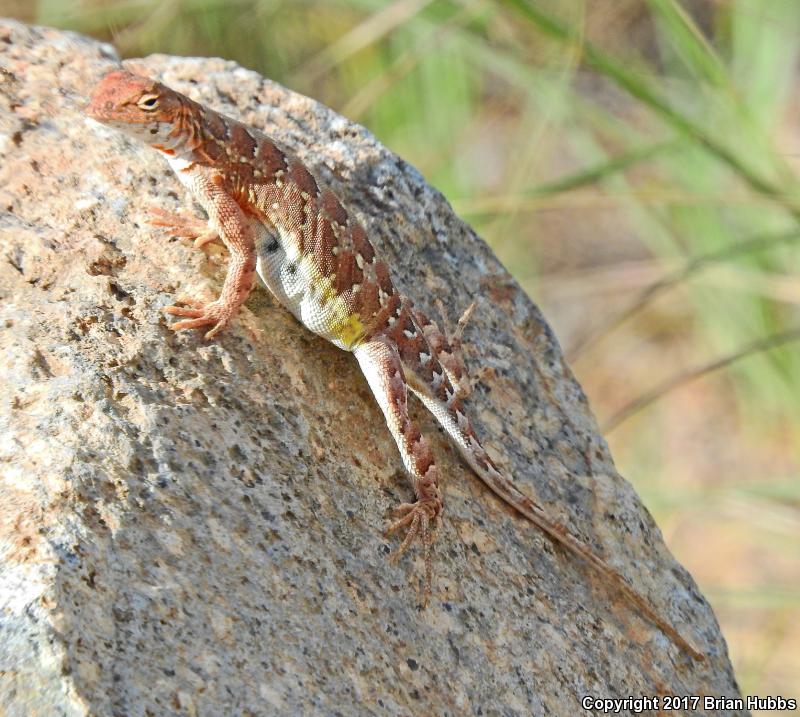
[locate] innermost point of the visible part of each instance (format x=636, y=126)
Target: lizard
x=278, y=221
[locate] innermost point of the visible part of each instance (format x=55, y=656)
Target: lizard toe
x=199, y=316
x=177, y=225
x=183, y=311
x=421, y=520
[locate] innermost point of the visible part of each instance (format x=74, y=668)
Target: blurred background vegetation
x=635, y=165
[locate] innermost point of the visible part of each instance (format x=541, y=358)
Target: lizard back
x=313, y=255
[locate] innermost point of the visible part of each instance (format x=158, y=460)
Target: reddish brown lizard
x=278, y=221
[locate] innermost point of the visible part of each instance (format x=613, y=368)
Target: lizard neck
x=183, y=134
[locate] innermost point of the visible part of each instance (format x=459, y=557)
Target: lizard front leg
x=380, y=363
x=236, y=232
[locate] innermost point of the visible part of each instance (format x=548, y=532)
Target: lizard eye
x=148, y=102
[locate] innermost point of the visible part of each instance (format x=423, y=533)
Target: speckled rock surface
x=196, y=529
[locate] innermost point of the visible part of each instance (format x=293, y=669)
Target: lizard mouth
x=99, y=109
x=92, y=111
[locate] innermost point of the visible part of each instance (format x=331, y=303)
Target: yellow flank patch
x=351, y=330
x=344, y=326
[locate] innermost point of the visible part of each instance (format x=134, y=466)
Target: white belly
x=295, y=282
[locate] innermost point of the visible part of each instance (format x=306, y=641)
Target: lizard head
x=139, y=106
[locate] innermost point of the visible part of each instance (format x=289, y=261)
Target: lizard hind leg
x=447, y=348
x=432, y=386
x=380, y=362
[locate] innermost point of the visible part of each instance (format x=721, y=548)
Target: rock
x=193, y=528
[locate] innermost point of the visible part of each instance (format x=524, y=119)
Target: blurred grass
x=638, y=157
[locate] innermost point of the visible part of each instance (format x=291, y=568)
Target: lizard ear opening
x=148, y=102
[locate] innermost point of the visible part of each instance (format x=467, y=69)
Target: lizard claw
x=198, y=315
x=421, y=519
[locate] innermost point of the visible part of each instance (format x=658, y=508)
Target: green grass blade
x=639, y=87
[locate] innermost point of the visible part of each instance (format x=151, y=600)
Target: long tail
x=431, y=381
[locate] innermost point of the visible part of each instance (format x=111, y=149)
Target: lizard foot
x=421, y=520
x=448, y=347
x=180, y=226
x=455, y=337
x=200, y=314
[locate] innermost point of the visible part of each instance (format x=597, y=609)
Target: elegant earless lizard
x=278, y=221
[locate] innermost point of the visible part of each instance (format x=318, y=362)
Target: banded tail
x=433, y=381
